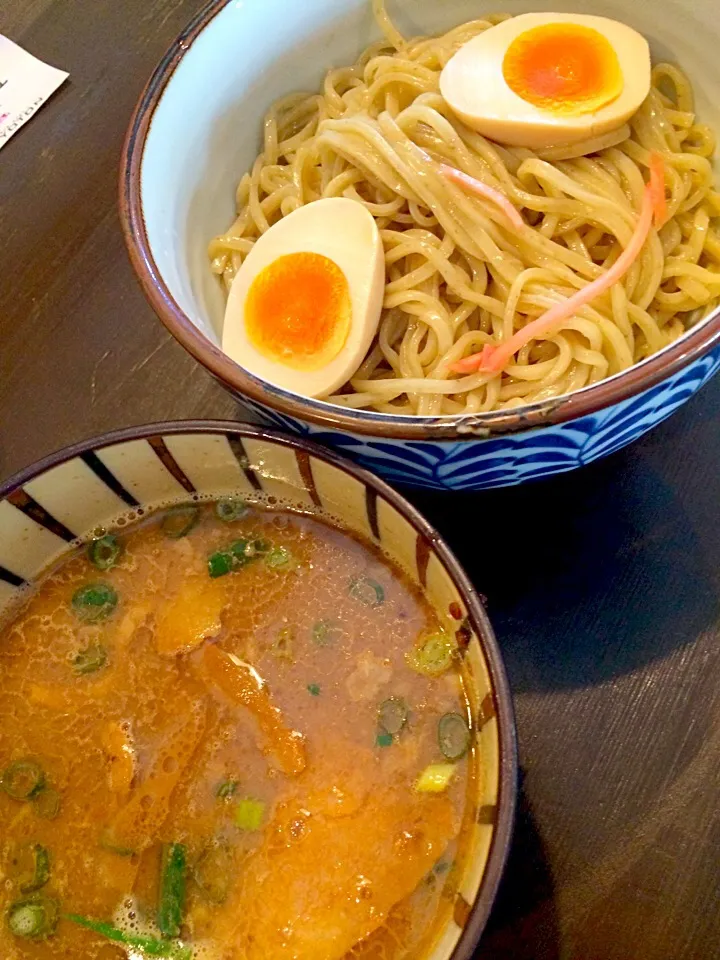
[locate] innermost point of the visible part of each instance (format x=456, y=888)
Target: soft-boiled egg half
x=305, y=304
x=548, y=79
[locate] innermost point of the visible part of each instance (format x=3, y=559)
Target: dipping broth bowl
x=48, y=508
x=196, y=130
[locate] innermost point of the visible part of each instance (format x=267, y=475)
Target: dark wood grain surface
x=603, y=585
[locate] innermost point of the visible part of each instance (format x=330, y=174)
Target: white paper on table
x=25, y=84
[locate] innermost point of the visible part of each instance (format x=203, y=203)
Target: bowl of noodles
x=599, y=314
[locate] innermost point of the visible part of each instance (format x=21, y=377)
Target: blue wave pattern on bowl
x=512, y=458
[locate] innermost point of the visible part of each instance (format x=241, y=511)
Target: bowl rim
x=501, y=692
x=458, y=427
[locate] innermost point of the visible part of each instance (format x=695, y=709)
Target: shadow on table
x=523, y=924
x=588, y=575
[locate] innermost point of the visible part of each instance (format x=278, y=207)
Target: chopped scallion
x=239, y=552
x=367, y=591
x=90, y=660
x=434, y=654
x=453, y=736
x=384, y=740
x=249, y=814
x=115, y=848
x=38, y=868
x=147, y=945
x=227, y=789
x=94, y=602
x=441, y=867
x=172, y=889
x=279, y=558
x=23, y=779
x=220, y=563
x=257, y=548
x=236, y=556
x=435, y=778
x=179, y=521
x=105, y=551
x=325, y=633
x=392, y=715
x=314, y=689
x=47, y=803
x=33, y=919
x=282, y=648
x=231, y=508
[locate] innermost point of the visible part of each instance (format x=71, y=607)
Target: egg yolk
x=563, y=67
x=298, y=311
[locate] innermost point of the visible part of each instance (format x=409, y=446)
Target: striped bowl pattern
x=49, y=508
x=477, y=462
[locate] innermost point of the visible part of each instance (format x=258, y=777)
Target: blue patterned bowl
x=477, y=462
x=177, y=189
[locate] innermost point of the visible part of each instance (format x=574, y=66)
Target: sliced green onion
x=249, y=814
x=257, y=548
x=220, y=563
x=47, y=803
x=231, y=508
x=440, y=868
x=453, y=736
x=90, y=660
x=367, y=591
x=236, y=556
x=278, y=558
x=33, y=919
x=105, y=551
x=435, y=778
x=172, y=889
x=179, y=521
x=314, y=689
x=384, y=740
x=23, y=779
x=227, y=789
x=147, y=945
x=94, y=601
x=114, y=848
x=37, y=874
x=215, y=871
x=282, y=648
x=325, y=633
x=392, y=715
x=239, y=553
x=434, y=655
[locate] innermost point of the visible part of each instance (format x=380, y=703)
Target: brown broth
x=349, y=821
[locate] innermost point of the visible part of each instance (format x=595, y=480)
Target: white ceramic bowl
x=197, y=128
x=47, y=508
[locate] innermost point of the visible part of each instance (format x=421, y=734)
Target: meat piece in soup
x=229, y=733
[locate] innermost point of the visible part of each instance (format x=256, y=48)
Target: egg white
x=344, y=231
x=474, y=87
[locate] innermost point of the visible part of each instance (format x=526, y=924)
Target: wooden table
x=603, y=585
